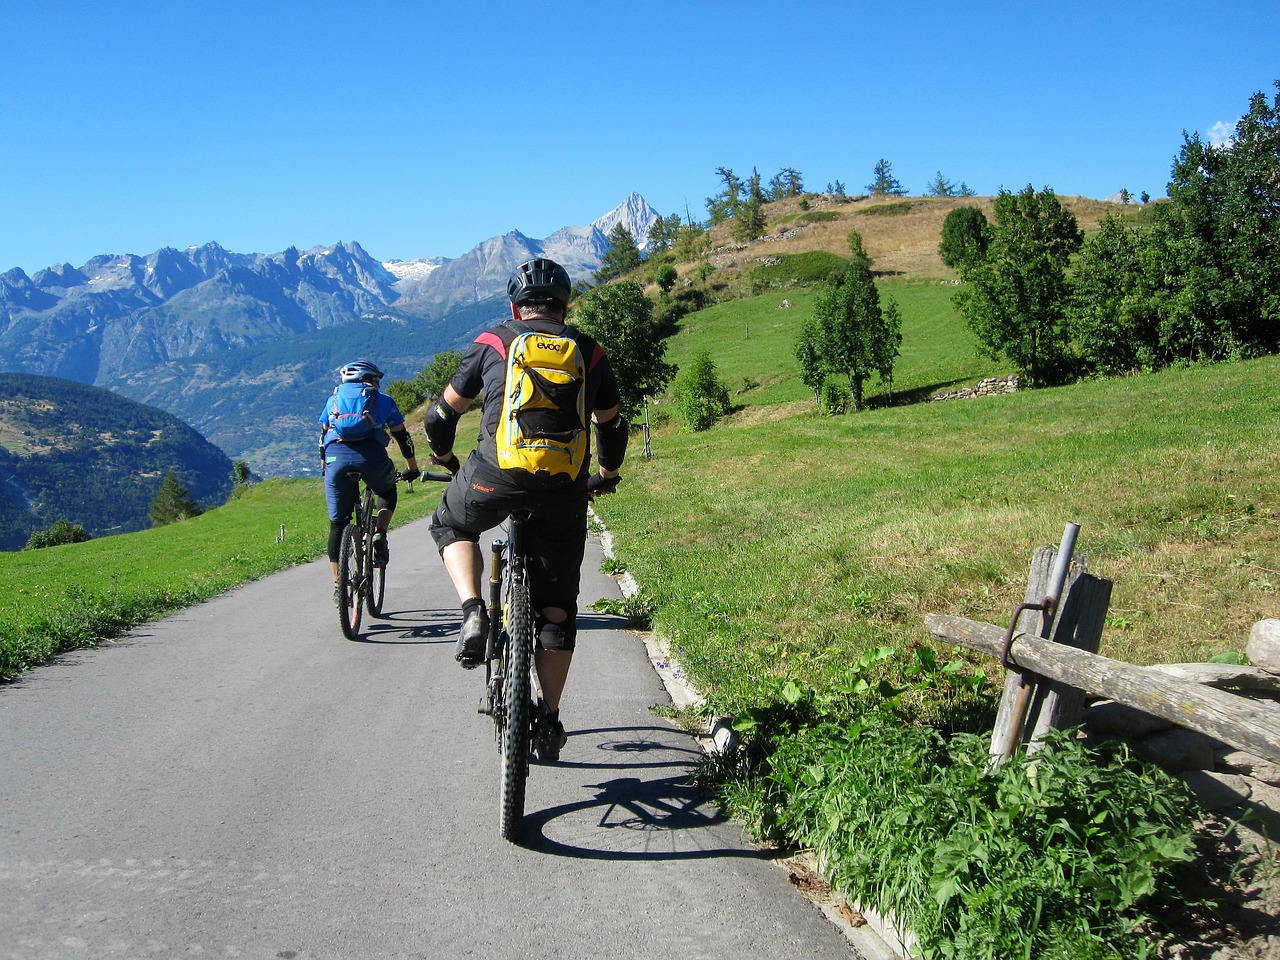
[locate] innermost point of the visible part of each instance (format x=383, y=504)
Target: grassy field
x=60, y=598
x=792, y=545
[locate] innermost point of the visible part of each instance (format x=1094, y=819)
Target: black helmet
x=358, y=370
x=539, y=281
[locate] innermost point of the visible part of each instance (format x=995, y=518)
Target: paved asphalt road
x=239, y=781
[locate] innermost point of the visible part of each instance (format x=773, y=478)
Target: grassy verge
x=789, y=560
x=77, y=595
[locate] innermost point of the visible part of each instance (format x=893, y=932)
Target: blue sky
x=421, y=128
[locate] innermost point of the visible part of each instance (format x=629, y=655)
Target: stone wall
x=989, y=387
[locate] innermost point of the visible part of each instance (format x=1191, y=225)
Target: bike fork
x=493, y=643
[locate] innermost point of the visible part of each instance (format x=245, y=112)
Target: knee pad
x=557, y=636
x=386, y=501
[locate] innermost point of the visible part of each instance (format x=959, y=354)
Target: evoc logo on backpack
x=351, y=411
x=542, y=431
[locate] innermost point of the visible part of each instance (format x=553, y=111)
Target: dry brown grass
x=899, y=234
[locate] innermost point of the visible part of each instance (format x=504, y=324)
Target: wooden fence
x=1050, y=653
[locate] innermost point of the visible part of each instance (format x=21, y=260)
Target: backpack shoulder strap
x=596, y=352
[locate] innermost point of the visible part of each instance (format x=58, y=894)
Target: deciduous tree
x=700, y=394
x=964, y=236
x=1218, y=240
x=1014, y=298
x=620, y=317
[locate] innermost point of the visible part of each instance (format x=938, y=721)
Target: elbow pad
x=441, y=424
x=611, y=442
x=405, y=442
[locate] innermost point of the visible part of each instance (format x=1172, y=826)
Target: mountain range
x=245, y=347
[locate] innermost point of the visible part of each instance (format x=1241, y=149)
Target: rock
x=1265, y=797
x=1230, y=760
x=1177, y=750
x=1263, y=649
x=1117, y=719
x=1217, y=790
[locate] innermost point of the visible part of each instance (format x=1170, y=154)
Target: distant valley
x=69, y=451
x=244, y=347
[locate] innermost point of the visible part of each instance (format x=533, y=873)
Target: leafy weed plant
x=1055, y=855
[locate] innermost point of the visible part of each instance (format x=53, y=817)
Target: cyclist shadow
x=412, y=626
x=636, y=817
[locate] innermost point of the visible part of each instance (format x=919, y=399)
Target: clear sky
x=421, y=128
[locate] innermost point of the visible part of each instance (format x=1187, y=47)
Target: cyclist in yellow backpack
x=545, y=386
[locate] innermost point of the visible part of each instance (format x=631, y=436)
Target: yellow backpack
x=542, y=432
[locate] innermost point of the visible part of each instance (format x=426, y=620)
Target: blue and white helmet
x=358, y=370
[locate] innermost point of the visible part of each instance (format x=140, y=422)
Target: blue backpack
x=351, y=413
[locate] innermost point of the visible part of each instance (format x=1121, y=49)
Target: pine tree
x=172, y=502
x=621, y=258
x=885, y=185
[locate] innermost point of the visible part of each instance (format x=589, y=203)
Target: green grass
x=77, y=595
x=752, y=342
x=792, y=545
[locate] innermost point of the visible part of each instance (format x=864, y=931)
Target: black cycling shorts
x=481, y=497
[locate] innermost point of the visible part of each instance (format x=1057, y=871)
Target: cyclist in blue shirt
x=369, y=456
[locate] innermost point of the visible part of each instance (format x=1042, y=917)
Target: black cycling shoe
x=381, y=552
x=472, y=637
x=549, y=736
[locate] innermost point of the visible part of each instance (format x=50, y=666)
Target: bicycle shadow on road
x=635, y=817
x=412, y=626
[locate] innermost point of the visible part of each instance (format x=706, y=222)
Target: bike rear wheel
x=351, y=581
x=517, y=712
x=377, y=582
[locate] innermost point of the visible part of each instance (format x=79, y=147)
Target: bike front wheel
x=350, y=582
x=517, y=712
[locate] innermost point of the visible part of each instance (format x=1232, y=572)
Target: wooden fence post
x=1031, y=705
x=1004, y=738
x=1055, y=704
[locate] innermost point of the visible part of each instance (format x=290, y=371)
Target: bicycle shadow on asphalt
x=436, y=626
x=641, y=818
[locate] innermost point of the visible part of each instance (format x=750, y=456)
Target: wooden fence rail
x=1250, y=725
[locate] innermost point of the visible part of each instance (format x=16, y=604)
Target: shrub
x=836, y=399
x=797, y=270
x=700, y=393
x=62, y=531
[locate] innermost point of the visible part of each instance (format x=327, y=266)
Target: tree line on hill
x=1198, y=281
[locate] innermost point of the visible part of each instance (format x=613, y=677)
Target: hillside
x=899, y=234
x=73, y=452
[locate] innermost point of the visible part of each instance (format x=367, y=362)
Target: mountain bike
x=361, y=582
x=510, y=695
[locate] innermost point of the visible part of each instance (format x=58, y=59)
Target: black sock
x=469, y=605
